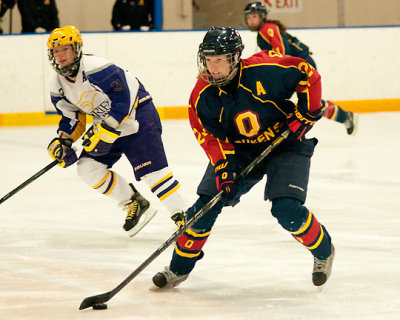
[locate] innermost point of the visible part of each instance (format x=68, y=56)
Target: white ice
x=60, y=241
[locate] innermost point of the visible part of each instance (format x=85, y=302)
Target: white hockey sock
x=103, y=180
x=163, y=184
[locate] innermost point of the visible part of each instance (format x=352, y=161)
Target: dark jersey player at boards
x=272, y=35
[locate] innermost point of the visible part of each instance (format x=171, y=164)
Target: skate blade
x=154, y=288
x=320, y=288
x=144, y=219
x=355, y=124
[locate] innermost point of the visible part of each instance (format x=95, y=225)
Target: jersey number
x=201, y=136
x=247, y=123
x=189, y=244
x=274, y=54
x=303, y=67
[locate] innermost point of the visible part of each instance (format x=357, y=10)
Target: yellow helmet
x=65, y=36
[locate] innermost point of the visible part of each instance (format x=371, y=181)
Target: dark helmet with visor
x=220, y=41
x=256, y=7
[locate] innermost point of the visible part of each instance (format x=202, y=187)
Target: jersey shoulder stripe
x=93, y=64
x=266, y=57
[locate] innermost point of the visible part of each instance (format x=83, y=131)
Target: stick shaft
x=28, y=181
x=101, y=298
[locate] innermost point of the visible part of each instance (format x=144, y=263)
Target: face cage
x=70, y=69
x=206, y=75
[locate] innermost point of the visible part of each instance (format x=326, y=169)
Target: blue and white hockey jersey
x=101, y=89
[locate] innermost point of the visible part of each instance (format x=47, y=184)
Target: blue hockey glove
x=61, y=150
x=300, y=121
x=224, y=179
x=99, y=139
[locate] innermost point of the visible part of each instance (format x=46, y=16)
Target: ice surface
x=60, y=241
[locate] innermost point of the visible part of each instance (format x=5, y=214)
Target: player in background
x=125, y=121
x=237, y=107
x=272, y=35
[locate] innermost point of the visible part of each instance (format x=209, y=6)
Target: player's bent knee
x=157, y=177
x=91, y=171
x=289, y=212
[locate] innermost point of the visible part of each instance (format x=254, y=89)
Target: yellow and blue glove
x=98, y=140
x=61, y=150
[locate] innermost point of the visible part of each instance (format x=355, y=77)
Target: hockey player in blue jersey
x=237, y=107
x=125, y=122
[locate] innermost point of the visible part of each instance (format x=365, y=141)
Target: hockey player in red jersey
x=237, y=107
x=125, y=122
x=272, y=35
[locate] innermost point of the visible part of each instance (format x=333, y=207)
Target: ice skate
x=167, y=279
x=139, y=213
x=322, y=269
x=351, y=123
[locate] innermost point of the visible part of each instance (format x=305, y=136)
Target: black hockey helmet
x=219, y=41
x=256, y=7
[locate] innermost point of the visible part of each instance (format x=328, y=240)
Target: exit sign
x=284, y=5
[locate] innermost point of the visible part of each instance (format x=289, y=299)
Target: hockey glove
x=224, y=179
x=179, y=218
x=300, y=121
x=99, y=139
x=61, y=150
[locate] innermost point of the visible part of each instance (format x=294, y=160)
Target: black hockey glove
x=61, y=150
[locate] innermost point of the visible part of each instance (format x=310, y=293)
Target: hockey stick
x=33, y=178
x=102, y=298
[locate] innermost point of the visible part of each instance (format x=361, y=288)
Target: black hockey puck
x=99, y=306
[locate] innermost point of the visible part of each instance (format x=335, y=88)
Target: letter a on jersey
x=260, y=88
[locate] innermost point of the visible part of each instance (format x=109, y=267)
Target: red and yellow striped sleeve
x=214, y=148
x=270, y=33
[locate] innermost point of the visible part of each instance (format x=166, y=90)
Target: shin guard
x=103, y=180
x=164, y=185
x=314, y=237
x=187, y=251
x=188, y=246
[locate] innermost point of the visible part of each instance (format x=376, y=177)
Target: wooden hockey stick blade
x=104, y=297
